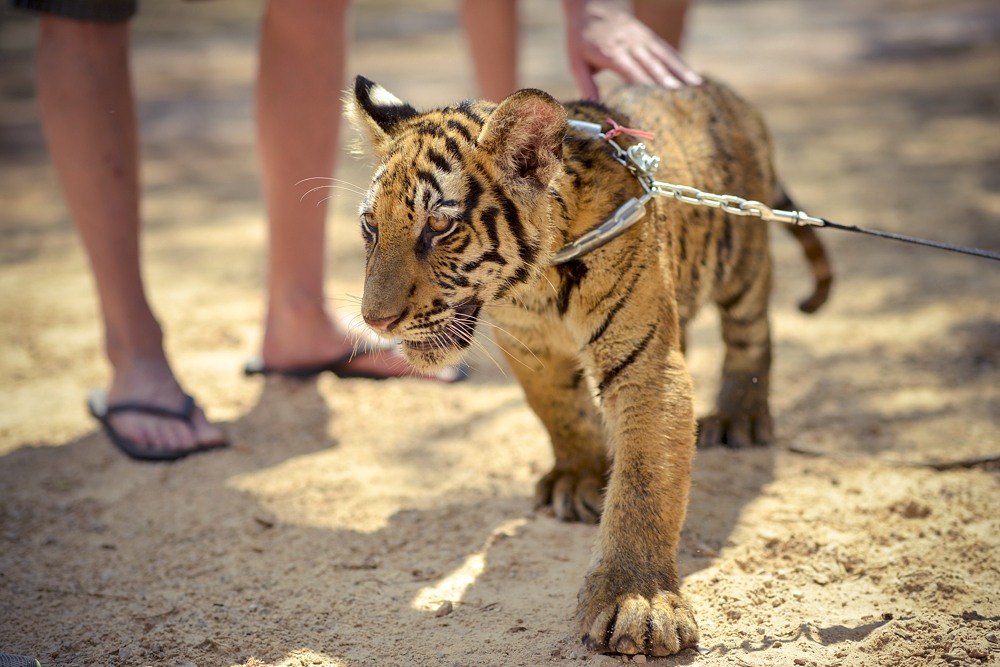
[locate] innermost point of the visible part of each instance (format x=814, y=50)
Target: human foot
x=101, y=410
x=305, y=343
x=149, y=416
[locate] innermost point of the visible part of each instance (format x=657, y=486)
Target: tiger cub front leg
x=558, y=393
x=630, y=601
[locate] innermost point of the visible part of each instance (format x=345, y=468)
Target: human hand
x=604, y=34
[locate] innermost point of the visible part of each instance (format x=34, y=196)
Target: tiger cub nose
x=385, y=323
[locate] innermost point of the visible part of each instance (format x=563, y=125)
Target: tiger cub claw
x=658, y=625
x=573, y=494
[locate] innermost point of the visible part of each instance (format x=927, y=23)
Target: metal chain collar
x=643, y=166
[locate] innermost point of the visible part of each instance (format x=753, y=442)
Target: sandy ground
x=359, y=523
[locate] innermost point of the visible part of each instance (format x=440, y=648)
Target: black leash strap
x=965, y=250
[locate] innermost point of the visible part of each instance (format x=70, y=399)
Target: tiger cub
x=466, y=208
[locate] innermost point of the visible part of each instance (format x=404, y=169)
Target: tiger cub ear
x=525, y=134
x=376, y=112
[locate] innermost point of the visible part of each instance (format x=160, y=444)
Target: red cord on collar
x=617, y=129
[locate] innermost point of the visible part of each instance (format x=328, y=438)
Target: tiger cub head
x=457, y=215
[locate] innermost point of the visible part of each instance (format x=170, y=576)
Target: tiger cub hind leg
x=742, y=416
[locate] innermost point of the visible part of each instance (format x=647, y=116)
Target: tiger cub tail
x=815, y=255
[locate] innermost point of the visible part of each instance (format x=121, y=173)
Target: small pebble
x=604, y=661
x=979, y=650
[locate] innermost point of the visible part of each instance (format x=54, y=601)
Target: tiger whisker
x=335, y=186
x=540, y=273
x=485, y=351
x=470, y=339
x=468, y=336
x=506, y=350
x=346, y=298
x=314, y=178
x=333, y=180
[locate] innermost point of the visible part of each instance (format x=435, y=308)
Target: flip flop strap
x=184, y=414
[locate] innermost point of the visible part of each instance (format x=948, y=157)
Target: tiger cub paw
x=735, y=430
x=625, y=622
x=572, y=494
x=742, y=417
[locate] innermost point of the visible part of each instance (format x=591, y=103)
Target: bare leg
x=299, y=86
x=88, y=114
x=491, y=32
x=664, y=17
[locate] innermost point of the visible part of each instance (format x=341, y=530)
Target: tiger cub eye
x=438, y=223
x=368, y=221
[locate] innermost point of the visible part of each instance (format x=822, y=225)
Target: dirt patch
x=357, y=523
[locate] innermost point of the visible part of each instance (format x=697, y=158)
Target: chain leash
x=643, y=167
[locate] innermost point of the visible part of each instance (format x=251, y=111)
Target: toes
x=589, y=500
x=663, y=633
x=597, y=635
x=173, y=435
x=687, y=628
x=659, y=627
x=157, y=433
x=629, y=632
x=709, y=431
x=543, y=490
x=572, y=495
x=672, y=625
x=736, y=432
x=562, y=498
x=205, y=432
x=763, y=429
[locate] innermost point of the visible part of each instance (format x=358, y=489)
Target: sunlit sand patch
x=453, y=587
x=301, y=656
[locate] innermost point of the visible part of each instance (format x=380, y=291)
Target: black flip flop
x=97, y=403
x=10, y=660
x=343, y=367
